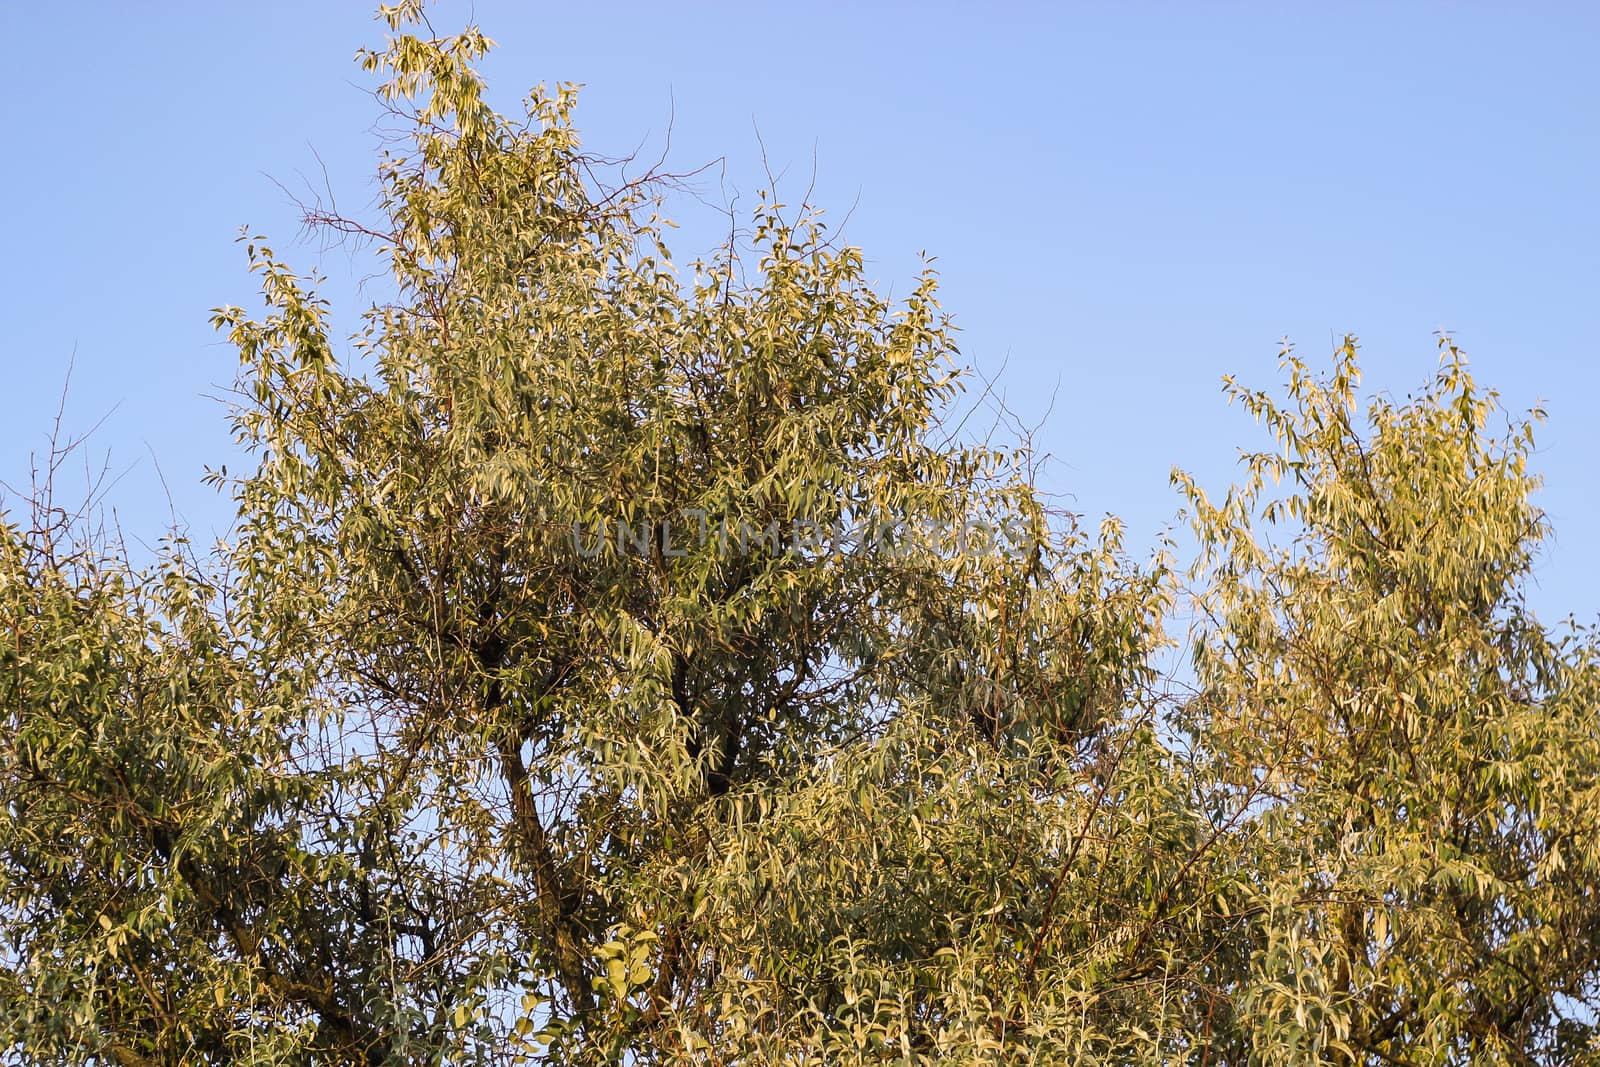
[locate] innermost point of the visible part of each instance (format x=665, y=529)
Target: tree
x=515, y=625
x=1418, y=753
x=617, y=662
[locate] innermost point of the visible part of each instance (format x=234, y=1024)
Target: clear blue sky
x=1127, y=201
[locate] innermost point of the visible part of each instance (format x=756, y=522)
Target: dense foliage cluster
x=575, y=688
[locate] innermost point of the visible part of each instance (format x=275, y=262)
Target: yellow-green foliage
x=493, y=737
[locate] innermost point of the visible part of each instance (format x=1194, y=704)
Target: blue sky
x=1126, y=201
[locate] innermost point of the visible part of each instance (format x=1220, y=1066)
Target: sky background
x=1126, y=202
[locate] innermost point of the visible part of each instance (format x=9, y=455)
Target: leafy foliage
x=577, y=688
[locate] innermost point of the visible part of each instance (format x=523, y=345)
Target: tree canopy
x=625, y=660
